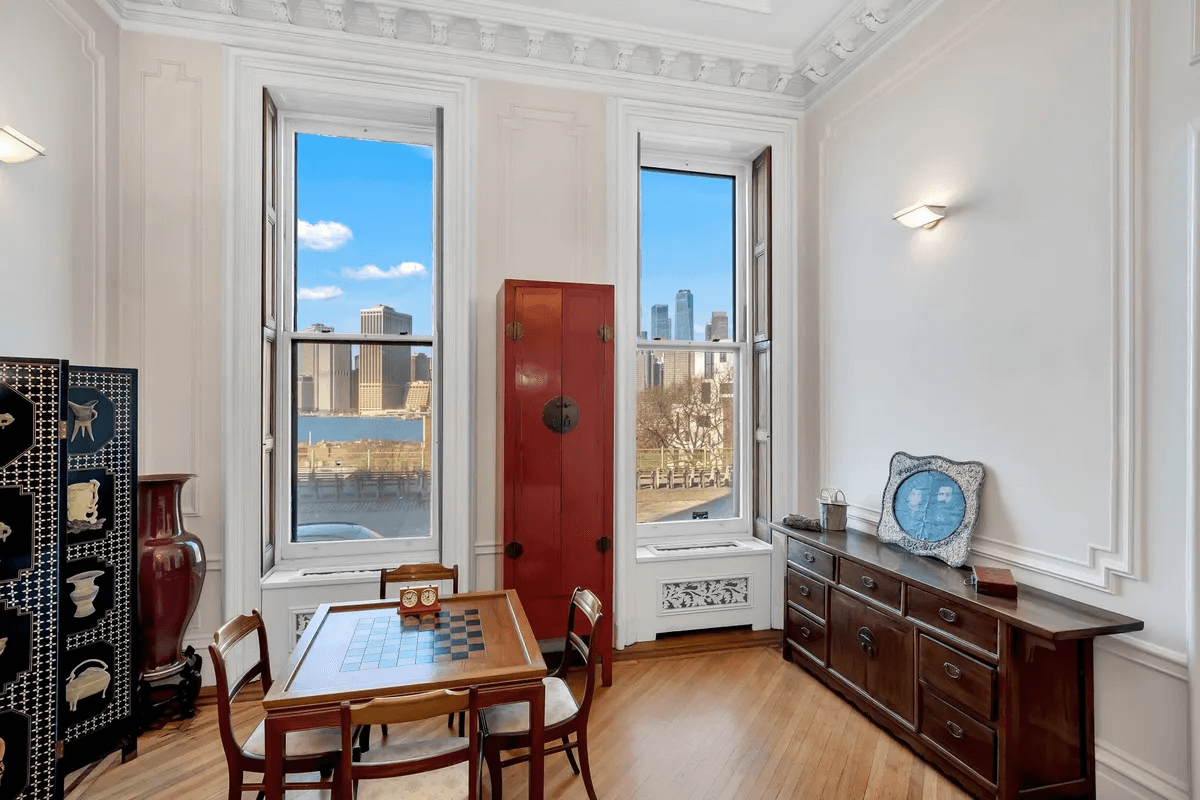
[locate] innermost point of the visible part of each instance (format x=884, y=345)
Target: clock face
x=409, y=598
x=429, y=596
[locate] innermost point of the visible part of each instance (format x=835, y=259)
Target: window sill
x=690, y=551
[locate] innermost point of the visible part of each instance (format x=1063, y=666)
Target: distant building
x=677, y=365
x=660, y=322
x=684, y=306
x=383, y=370
x=420, y=367
x=718, y=328
x=326, y=365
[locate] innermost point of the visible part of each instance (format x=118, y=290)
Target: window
x=354, y=355
x=692, y=352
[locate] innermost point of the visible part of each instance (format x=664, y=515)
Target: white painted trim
x=101, y=353
x=246, y=73
x=626, y=118
x=1195, y=33
x=1152, y=656
x=489, y=549
x=1192, y=454
x=1158, y=783
x=1102, y=563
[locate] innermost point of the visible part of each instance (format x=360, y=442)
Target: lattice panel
x=101, y=446
x=31, y=397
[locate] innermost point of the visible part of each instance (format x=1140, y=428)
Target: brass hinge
x=62, y=429
x=514, y=330
x=604, y=333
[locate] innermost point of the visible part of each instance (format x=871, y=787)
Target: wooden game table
x=359, y=651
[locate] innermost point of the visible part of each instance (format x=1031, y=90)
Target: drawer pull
x=952, y=671
x=810, y=558
x=804, y=590
x=866, y=640
x=955, y=730
x=947, y=615
x=868, y=582
x=805, y=632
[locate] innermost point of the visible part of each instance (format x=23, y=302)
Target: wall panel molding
x=1149, y=779
x=1192, y=444
x=1117, y=556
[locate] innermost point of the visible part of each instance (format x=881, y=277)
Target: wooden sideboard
x=997, y=693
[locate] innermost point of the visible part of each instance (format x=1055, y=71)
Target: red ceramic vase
x=170, y=574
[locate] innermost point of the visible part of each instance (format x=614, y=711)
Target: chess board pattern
x=391, y=640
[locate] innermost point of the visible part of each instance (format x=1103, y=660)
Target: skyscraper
x=719, y=327
x=684, y=330
x=326, y=365
x=660, y=322
x=383, y=369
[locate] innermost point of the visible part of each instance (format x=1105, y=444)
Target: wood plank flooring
x=734, y=724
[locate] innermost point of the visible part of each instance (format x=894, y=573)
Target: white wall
x=541, y=216
x=58, y=213
x=1040, y=328
x=171, y=276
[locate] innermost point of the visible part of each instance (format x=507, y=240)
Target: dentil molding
x=553, y=40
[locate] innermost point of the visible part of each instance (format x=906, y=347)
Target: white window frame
x=380, y=552
x=739, y=169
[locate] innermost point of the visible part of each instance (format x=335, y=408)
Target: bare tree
x=687, y=416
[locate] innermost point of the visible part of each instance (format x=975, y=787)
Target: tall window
x=692, y=429
x=356, y=351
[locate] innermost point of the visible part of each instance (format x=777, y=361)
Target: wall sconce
x=16, y=147
x=920, y=216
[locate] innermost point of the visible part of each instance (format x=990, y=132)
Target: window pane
x=688, y=264
x=364, y=235
x=363, y=442
x=686, y=450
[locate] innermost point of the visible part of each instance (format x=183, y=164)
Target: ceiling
x=770, y=23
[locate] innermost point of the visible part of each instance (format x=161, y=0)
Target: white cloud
x=319, y=293
x=322, y=235
x=371, y=272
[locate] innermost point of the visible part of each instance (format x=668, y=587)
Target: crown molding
x=489, y=37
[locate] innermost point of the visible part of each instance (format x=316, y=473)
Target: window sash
x=366, y=553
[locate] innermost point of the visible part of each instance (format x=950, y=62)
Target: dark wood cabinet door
x=874, y=651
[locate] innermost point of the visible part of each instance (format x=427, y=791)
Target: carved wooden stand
x=171, y=697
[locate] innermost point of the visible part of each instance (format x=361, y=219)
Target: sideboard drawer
x=806, y=592
x=969, y=683
x=962, y=737
x=806, y=633
x=816, y=561
x=870, y=583
x=954, y=619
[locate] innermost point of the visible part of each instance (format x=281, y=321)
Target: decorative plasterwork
x=491, y=29
x=703, y=594
x=757, y=6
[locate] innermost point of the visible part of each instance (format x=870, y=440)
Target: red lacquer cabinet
x=555, y=449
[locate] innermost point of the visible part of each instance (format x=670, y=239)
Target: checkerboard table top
x=356, y=651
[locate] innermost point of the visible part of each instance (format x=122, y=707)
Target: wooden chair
x=434, y=769
x=307, y=751
x=506, y=727
x=412, y=573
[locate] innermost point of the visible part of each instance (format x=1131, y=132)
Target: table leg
x=537, y=745
x=273, y=746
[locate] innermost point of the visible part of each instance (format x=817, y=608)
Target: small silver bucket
x=833, y=509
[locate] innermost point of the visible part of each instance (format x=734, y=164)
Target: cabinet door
x=874, y=651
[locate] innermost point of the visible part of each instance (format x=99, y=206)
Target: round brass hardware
x=866, y=640
x=947, y=614
x=952, y=671
x=805, y=591
x=805, y=632
x=561, y=414
x=868, y=582
x=809, y=557
x=955, y=730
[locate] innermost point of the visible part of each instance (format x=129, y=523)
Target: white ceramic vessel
x=84, y=594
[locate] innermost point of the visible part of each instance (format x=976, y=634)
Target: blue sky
x=364, y=230
x=364, y=235
x=687, y=243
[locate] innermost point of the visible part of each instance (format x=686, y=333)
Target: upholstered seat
x=513, y=718
x=299, y=744
x=447, y=783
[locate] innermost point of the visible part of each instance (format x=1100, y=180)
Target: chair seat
x=299, y=744
x=448, y=783
x=513, y=718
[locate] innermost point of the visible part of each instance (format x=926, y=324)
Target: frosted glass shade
x=920, y=216
x=15, y=147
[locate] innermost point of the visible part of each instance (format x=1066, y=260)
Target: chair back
x=410, y=573
x=585, y=602
x=394, y=710
x=224, y=640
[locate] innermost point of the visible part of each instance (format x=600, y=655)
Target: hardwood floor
x=736, y=724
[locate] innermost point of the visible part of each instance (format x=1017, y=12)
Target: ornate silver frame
x=955, y=548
